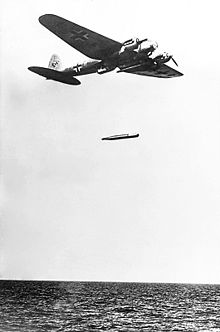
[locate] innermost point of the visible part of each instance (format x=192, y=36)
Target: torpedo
x=121, y=136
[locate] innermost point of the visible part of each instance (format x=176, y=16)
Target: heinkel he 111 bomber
x=134, y=56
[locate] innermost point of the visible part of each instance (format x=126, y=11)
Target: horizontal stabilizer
x=55, y=75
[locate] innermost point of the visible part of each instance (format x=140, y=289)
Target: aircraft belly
x=126, y=62
x=84, y=69
x=130, y=59
x=85, y=72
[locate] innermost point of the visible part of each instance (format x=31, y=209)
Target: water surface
x=99, y=306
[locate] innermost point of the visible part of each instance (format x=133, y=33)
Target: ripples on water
x=98, y=306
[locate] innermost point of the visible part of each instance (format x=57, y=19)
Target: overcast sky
x=78, y=208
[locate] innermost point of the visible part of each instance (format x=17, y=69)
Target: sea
x=108, y=306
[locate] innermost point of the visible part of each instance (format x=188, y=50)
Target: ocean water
x=100, y=306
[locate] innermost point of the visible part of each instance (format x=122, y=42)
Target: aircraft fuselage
x=122, y=60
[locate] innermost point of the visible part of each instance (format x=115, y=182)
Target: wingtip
x=77, y=82
x=32, y=68
x=41, y=17
x=44, y=17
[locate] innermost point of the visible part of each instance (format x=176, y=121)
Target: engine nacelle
x=162, y=58
x=148, y=46
x=129, y=45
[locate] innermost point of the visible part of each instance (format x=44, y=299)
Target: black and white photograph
x=109, y=166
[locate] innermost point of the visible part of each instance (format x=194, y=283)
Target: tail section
x=55, y=62
x=55, y=75
x=53, y=72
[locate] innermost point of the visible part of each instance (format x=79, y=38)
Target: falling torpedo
x=121, y=136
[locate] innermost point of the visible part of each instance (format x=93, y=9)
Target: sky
x=74, y=207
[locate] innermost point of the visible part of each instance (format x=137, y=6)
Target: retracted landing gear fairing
x=133, y=56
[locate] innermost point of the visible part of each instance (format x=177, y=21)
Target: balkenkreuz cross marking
x=79, y=35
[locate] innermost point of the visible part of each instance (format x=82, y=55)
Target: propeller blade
x=142, y=40
x=175, y=62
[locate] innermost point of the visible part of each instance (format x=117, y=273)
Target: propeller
x=174, y=62
x=142, y=40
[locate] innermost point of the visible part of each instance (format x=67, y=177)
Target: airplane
x=121, y=136
x=133, y=56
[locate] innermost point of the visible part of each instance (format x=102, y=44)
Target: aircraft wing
x=88, y=42
x=163, y=71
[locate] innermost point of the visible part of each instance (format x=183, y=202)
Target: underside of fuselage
x=128, y=62
x=122, y=61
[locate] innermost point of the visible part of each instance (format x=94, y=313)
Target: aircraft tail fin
x=55, y=62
